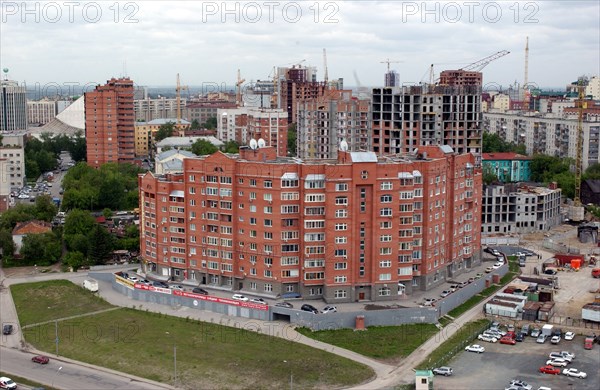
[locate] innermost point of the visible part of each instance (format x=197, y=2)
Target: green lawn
x=208, y=355
x=454, y=344
x=379, y=342
x=24, y=381
x=54, y=299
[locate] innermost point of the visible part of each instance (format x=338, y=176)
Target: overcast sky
x=151, y=41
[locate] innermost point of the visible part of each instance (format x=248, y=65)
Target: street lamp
x=57, y=371
x=291, y=377
x=174, y=361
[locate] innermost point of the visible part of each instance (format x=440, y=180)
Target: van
x=596, y=273
x=91, y=285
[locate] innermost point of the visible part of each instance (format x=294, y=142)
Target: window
x=341, y=226
x=385, y=264
x=290, y=209
x=364, y=175
x=288, y=183
x=314, y=198
x=384, y=292
x=341, y=200
x=386, y=185
x=341, y=240
x=268, y=184
x=386, y=198
x=406, y=195
x=314, y=224
x=340, y=279
x=338, y=294
x=314, y=184
x=340, y=253
x=340, y=265
x=341, y=187
x=252, y=182
x=385, y=212
x=385, y=238
x=385, y=225
x=341, y=213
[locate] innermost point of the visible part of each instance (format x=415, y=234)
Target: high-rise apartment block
x=148, y=109
x=109, y=123
x=246, y=123
x=295, y=85
x=324, y=122
x=409, y=117
x=13, y=106
x=356, y=228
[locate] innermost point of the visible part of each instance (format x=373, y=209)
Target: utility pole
x=175, y=364
x=56, y=335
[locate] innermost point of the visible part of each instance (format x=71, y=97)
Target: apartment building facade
x=325, y=121
x=356, y=228
x=246, y=123
x=549, y=134
x=148, y=109
x=13, y=106
x=508, y=167
x=510, y=209
x=203, y=110
x=109, y=123
x=406, y=118
x=12, y=151
x=41, y=112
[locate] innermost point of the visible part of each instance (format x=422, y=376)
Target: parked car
x=567, y=355
x=520, y=383
x=160, y=284
x=40, y=359
x=510, y=328
x=555, y=339
x=550, y=370
x=310, y=308
x=176, y=287
x=134, y=279
x=574, y=373
x=541, y=339
x=535, y=332
x=260, y=301
x=446, y=371
x=329, y=309
x=507, y=340
x=475, y=348
x=488, y=270
x=454, y=287
x=198, y=290
x=7, y=383
x=429, y=302
x=569, y=336
x=525, y=329
x=291, y=295
x=285, y=304
x=557, y=362
x=445, y=293
x=488, y=338
x=240, y=297
x=520, y=337
x=557, y=332
x=497, y=265
x=558, y=355
x=7, y=329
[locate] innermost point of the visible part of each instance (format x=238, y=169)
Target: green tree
x=231, y=147
x=489, y=176
x=592, y=172
x=77, y=242
x=211, y=123
x=107, y=213
x=291, y=139
x=19, y=213
x=45, y=209
x=101, y=244
x=75, y=260
x=79, y=222
x=43, y=249
x=195, y=125
x=7, y=245
x=164, y=131
x=203, y=147
x=493, y=143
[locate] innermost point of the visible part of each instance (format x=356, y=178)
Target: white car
x=497, y=265
x=429, y=301
x=445, y=293
x=260, y=301
x=488, y=338
x=574, y=373
x=134, y=279
x=240, y=297
x=7, y=383
x=520, y=384
x=557, y=362
x=558, y=355
x=555, y=339
x=475, y=348
x=569, y=336
x=176, y=287
x=567, y=355
x=329, y=309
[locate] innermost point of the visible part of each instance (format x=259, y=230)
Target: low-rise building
x=23, y=229
x=12, y=150
x=508, y=167
x=519, y=209
x=171, y=161
x=184, y=143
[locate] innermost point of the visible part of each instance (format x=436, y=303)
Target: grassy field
x=54, y=299
x=207, y=355
x=388, y=343
x=454, y=344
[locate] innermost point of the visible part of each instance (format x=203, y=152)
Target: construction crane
x=325, y=76
x=238, y=89
x=178, y=90
x=526, y=78
x=479, y=65
x=388, y=62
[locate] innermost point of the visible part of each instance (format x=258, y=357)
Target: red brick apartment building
x=360, y=227
x=109, y=123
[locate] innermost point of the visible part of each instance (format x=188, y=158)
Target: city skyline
x=206, y=43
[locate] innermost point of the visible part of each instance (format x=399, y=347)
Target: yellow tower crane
x=238, y=86
x=178, y=90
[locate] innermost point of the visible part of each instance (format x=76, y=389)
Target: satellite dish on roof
x=253, y=144
x=261, y=143
x=344, y=146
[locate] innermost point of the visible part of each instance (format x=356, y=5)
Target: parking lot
x=500, y=363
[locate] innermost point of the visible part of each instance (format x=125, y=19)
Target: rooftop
x=504, y=156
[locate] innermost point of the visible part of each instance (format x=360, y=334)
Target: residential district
x=298, y=202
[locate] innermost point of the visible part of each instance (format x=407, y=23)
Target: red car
x=550, y=370
x=507, y=340
x=511, y=334
x=40, y=359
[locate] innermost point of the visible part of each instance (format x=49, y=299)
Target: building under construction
x=405, y=118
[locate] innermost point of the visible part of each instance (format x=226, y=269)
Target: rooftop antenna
x=5, y=71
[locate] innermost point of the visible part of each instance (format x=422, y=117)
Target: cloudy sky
x=207, y=41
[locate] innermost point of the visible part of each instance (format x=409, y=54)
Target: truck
x=547, y=330
x=591, y=312
x=91, y=285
